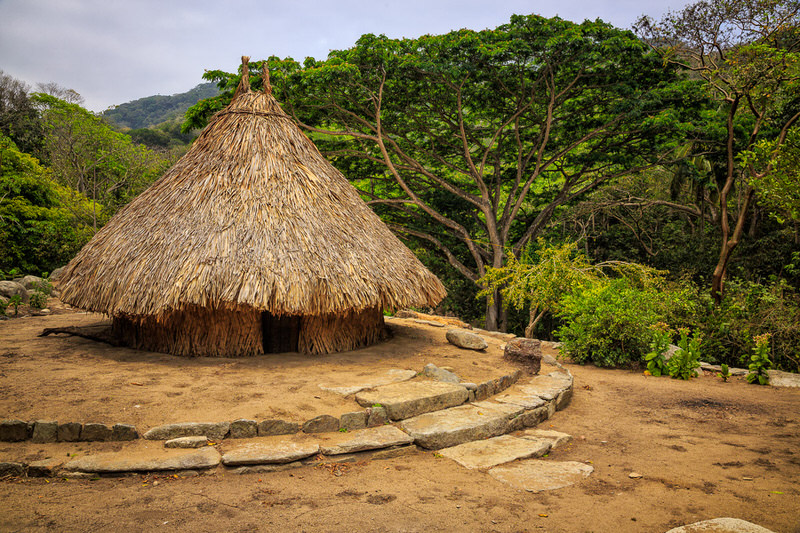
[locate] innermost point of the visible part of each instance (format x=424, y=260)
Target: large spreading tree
x=471, y=141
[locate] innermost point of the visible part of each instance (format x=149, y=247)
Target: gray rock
x=321, y=424
x=404, y=400
x=13, y=430
x=721, y=525
x=44, y=468
x=466, y=339
x=45, y=431
x=469, y=386
x=365, y=439
x=671, y=349
x=527, y=352
x=496, y=451
x=778, y=378
x=9, y=468
x=531, y=418
x=440, y=374
x=267, y=428
x=147, y=460
x=120, y=432
x=556, y=438
x=563, y=399
x=353, y=421
x=31, y=282
x=261, y=469
x=536, y=475
x=243, y=429
x=274, y=452
x=55, y=274
x=10, y=288
x=457, y=425
x=69, y=432
x=520, y=397
x=391, y=376
x=95, y=432
x=547, y=387
x=376, y=416
x=212, y=430
x=186, y=442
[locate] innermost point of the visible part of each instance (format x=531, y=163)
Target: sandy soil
x=704, y=448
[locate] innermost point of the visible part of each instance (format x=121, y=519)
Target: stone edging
x=46, y=431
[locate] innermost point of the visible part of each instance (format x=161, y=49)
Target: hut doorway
x=280, y=333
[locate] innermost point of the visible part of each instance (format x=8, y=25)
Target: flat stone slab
x=365, y=439
x=405, y=400
x=721, y=525
x=391, y=376
x=187, y=442
x=496, y=451
x=457, y=425
x=556, y=438
x=212, y=430
x=521, y=397
x=536, y=475
x=275, y=451
x=546, y=387
x=778, y=378
x=145, y=461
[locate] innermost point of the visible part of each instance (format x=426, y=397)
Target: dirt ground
x=704, y=448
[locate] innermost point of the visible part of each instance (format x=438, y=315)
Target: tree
x=85, y=154
x=471, y=141
x=747, y=52
x=19, y=119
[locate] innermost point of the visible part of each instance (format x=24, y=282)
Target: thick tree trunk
x=496, y=315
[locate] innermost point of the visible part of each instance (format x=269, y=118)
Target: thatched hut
x=251, y=243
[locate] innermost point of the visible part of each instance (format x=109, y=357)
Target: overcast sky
x=115, y=51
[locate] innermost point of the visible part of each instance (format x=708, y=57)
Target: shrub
x=686, y=359
x=38, y=300
x=659, y=344
x=759, y=361
x=607, y=322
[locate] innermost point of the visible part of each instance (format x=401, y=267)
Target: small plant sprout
x=724, y=372
x=759, y=361
x=686, y=360
x=662, y=335
x=15, y=302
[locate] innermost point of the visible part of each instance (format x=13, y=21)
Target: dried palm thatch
x=252, y=220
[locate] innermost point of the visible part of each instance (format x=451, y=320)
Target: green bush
x=659, y=344
x=686, y=359
x=607, y=322
x=38, y=300
x=759, y=361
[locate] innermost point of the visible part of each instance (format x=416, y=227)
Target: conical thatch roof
x=252, y=216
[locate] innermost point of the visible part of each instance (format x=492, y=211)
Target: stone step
x=363, y=440
x=270, y=450
x=412, y=398
x=153, y=460
x=536, y=475
x=496, y=451
x=457, y=425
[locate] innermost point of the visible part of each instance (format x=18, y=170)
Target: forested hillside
x=617, y=191
x=154, y=110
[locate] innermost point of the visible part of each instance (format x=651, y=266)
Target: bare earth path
x=704, y=448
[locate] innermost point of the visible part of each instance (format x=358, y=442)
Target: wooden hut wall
x=321, y=334
x=195, y=331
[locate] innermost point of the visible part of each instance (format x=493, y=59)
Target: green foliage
x=543, y=275
x=3, y=306
x=659, y=344
x=19, y=119
x=724, y=372
x=42, y=224
x=154, y=110
x=759, y=361
x=777, y=187
x=608, y=322
x=747, y=310
x=38, y=300
x=15, y=301
x=686, y=359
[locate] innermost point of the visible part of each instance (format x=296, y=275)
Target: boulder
x=55, y=274
x=31, y=282
x=466, y=339
x=527, y=352
x=9, y=288
x=45, y=431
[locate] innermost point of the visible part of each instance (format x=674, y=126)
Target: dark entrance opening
x=280, y=333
